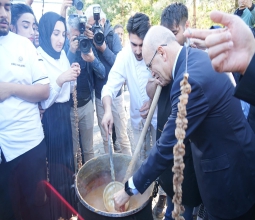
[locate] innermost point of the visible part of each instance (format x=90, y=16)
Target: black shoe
x=158, y=209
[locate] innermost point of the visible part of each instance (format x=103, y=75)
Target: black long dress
x=58, y=135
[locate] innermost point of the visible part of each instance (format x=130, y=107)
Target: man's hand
x=88, y=31
x=5, y=91
x=100, y=48
x=244, y=4
x=152, y=86
x=144, y=110
x=88, y=57
x=120, y=199
x=197, y=43
x=107, y=122
x=74, y=44
x=230, y=49
x=248, y=3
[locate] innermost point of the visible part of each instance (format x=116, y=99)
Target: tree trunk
x=236, y=4
x=194, y=14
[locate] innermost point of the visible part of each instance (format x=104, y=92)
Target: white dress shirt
x=54, y=68
x=128, y=68
x=20, y=123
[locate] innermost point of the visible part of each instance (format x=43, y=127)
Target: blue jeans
x=170, y=206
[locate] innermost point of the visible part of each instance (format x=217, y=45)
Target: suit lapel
x=180, y=64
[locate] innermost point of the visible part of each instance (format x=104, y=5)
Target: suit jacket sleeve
x=161, y=154
x=245, y=89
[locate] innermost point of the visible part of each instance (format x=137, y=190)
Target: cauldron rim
x=104, y=213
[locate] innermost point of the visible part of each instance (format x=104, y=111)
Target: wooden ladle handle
x=132, y=163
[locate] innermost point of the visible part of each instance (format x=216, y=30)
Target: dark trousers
x=22, y=188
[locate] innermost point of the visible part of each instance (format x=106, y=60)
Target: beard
x=138, y=57
x=4, y=32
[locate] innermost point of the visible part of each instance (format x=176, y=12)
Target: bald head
x=160, y=49
x=156, y=36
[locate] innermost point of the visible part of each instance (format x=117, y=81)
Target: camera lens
x=78, y=4
x=99, y=38
x=85, y=46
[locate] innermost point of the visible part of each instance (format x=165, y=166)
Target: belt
x=83, y=102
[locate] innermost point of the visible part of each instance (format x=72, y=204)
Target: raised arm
x=107, y=120
x=64, y=6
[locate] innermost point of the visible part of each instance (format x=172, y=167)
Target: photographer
x=108, y=45
x=246, y=11
x=90, y=66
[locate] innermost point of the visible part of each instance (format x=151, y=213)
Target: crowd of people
x=53, y=72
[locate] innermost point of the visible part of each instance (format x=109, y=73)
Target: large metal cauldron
x=95, y=174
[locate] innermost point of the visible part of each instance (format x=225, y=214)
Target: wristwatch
x=128, y=190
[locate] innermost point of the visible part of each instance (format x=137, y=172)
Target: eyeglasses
x=150, y=63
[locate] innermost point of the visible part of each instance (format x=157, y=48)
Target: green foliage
x=206, y=6
x=119, y=11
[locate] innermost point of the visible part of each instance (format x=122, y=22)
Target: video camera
x=96, y=28
x=78, y=4
x=84, y=42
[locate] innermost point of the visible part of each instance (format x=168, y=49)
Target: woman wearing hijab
x=56, y=119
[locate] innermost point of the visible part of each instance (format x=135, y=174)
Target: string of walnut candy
x=179, y=148
x=76, y=124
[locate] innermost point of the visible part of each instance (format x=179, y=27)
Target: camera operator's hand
x=248, y=3
x=100, y=48
x=244, y=4
x=64, y=6
x=88, y=57
x=69, y=75
x=74, y=44
x=88, y=32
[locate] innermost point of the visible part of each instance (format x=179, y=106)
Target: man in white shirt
x=23, y=151
x=129, y=66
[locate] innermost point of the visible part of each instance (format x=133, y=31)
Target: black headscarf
x=46, y=27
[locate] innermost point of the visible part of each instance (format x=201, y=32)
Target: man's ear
x=187, y=24
x=12, y=28
x=68, y=36
x=162, y=52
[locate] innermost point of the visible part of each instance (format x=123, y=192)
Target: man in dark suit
x=175, y=18
x=224, y=151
